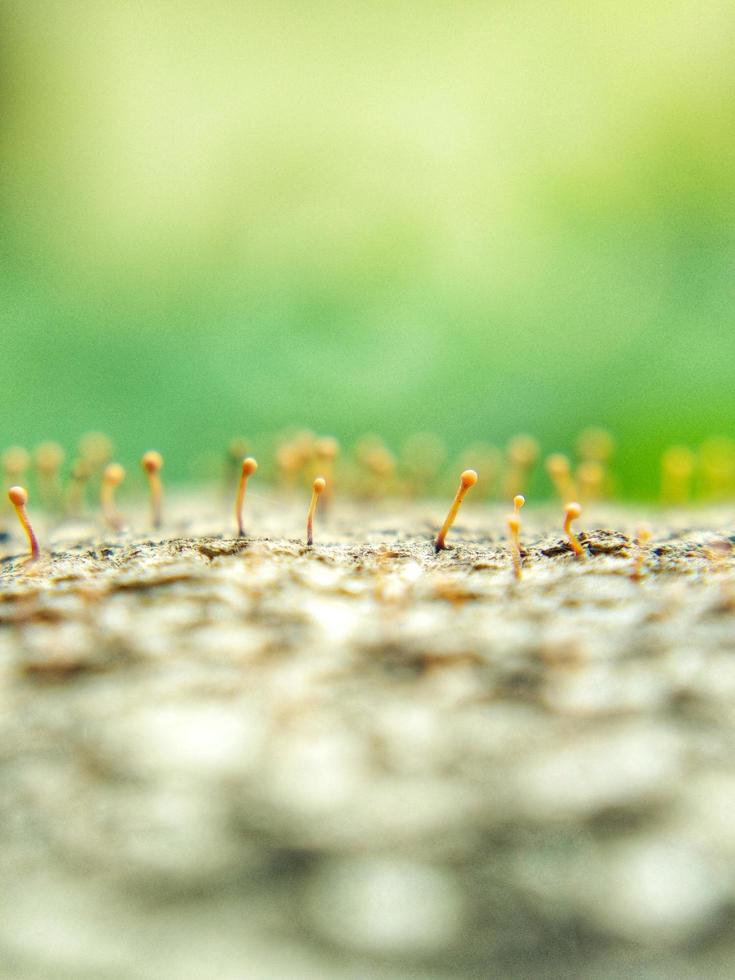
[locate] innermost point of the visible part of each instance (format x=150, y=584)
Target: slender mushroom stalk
x=573, y=512
x=514, y=531
x=96, y=449
x=249, y=466
x=643, y=536
x=677, y=469
x=81, y=471
x=467, y=479
x=595, y=447
x=317, y=489
x=18, y=497
x=522, y=453
x=112, y=477
x=560, y=472
x=152, y=463
x=49, y=458
x=591, y=480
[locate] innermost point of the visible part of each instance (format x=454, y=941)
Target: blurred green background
x=473, y=218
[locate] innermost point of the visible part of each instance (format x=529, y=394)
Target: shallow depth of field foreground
x=242, y=757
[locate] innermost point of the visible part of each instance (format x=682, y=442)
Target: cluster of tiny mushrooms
x=152, y=464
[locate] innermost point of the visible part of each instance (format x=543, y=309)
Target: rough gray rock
x=247, y=759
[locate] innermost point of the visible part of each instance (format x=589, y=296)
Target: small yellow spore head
x=679, y=460
x=560, y=472
x=18, y=496
x=114, y=474
x=96, y=447
x=319, y=485
x=249, y=466
x=16, y=460
x=557, y=465
x=152, y=461
x=327, y=448
x=518, y=501
x=591, y=477
x=468, y=478
x=523, y=450
x=573, y=511
x=595, y=445
x=49, y=457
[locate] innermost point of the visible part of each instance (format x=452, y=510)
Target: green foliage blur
x=472, y=218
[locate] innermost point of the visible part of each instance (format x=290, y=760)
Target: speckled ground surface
x=226, y=758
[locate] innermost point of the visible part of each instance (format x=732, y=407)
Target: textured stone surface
x=243, y=759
